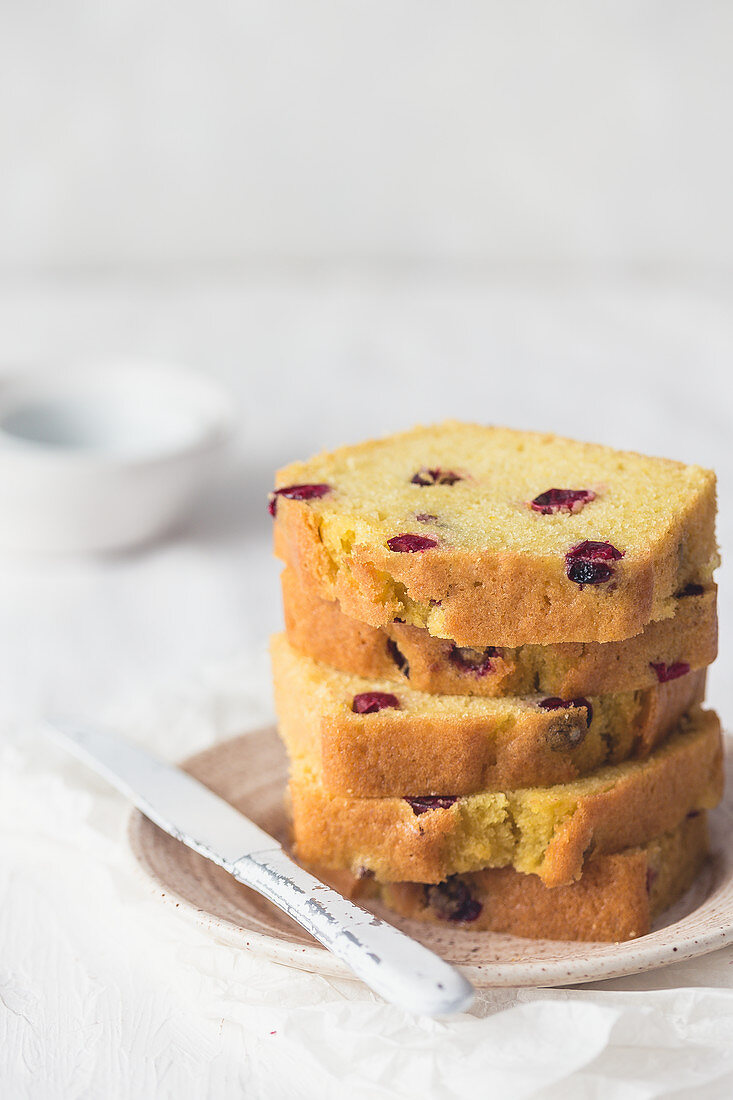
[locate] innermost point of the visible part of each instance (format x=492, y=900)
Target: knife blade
x=393, y=964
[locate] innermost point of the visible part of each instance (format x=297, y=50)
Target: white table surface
x=104, y=991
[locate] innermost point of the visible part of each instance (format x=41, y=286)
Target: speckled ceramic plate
x=251, y=771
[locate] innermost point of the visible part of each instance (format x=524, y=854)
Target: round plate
x=251, y=771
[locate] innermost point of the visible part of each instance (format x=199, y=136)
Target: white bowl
x=104, y=457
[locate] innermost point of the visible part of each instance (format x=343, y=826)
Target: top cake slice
x=490, y=536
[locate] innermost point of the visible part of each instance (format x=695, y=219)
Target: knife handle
x=397, y=967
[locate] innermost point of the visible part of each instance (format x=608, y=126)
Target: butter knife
x=394, y=965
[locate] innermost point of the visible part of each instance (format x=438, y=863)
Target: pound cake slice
x=362, y=739
x=410, y=655
x=544, y=831
x=494, y=537
x=617, y=898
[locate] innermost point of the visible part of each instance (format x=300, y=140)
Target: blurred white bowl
x=105, y=457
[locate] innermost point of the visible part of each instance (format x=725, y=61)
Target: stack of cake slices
x=491, y=679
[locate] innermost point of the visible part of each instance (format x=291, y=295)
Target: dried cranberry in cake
x=594, y=551
x=691, y=590
x=296, y=492
x=431, y=802
x=588, y=572
x=369, y=702
x=670, y=672
x=425, y=476
x=475, y=661
x=556, y=703
x=651, y=876
x=426, y=517
x=398, y=657
x=451, y=900
x=561, y=500
x=410, y=544
x=587, y=563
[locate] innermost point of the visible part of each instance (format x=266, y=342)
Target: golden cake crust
x=617, y=897
x=504, y=582
x=448, y=745
x=320, y=629
x=548, y=832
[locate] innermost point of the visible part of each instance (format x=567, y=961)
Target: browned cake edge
x=501, y=598
x=453, y=751
x=617, y=897
x=385, y=835
x=409, y=654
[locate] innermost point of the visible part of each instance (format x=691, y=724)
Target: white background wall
x=579, y=133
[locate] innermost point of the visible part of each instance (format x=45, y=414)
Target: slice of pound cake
x=617, y=897
x=410, y=655
x=370, y=739
x=545, y=831
x=493, y=537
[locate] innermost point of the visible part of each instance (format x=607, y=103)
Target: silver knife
x=397, y=967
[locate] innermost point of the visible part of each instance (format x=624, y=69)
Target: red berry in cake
x=431, y=802
x=587, y=563
x=594, y=551
x=561, y=500
x=369, y=702
x=451, y=900
x=398, y=657
x=410, y=544
x=476, y=661
x=425, y=476
x=556, y=703
x=296, y=492
x=670, y=672
x=426, y=517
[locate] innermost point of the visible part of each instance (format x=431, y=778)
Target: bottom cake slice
x=617, y=897
x=547, y=831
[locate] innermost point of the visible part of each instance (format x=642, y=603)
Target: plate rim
x=605, y=961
